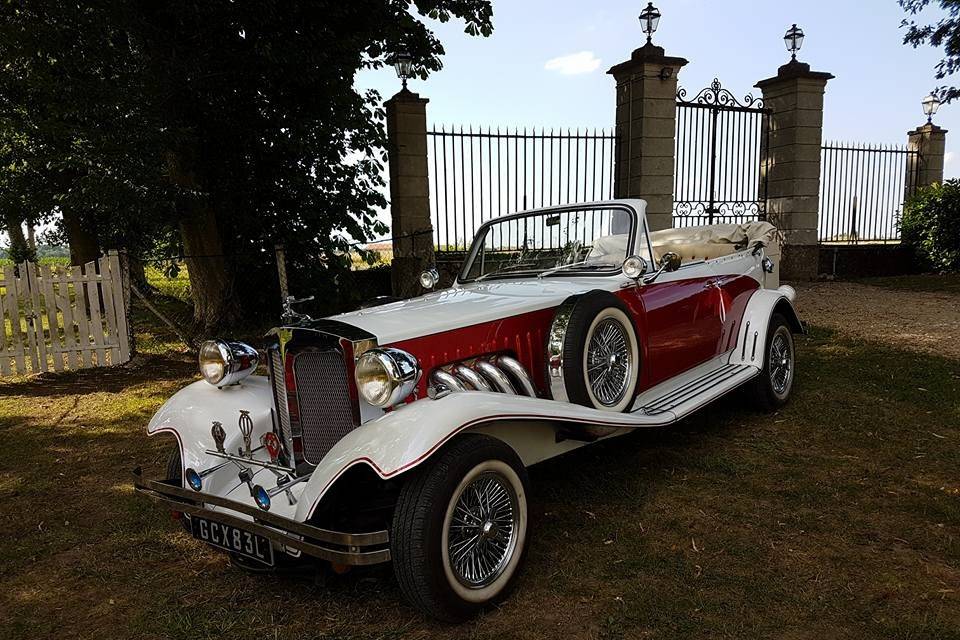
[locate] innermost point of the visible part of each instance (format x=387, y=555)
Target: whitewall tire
x=460, y=528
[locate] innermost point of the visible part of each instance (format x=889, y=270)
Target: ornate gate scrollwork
x=719, y=173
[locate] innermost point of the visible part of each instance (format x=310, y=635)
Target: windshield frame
x=480, y=236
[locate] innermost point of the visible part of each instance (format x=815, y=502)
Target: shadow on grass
x=836, y=517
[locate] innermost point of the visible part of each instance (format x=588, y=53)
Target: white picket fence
x=57, y=318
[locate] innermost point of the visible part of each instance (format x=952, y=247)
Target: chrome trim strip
x=555, y=339
x=472, y=378
x=494, y=375
x=183, y=499
x=513, y=367
x=251, y=461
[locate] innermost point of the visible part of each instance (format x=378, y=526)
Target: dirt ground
x=901, y=317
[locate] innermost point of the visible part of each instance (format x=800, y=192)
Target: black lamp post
x=793, y=38
x=650, y=18
x=403, y=63
x=930, y=105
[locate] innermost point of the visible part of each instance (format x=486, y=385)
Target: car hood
x=467, y=305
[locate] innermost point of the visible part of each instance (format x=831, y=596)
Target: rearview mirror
x=670, y=261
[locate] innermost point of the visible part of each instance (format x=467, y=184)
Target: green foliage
x=931, y=225
x=138, y=116
x=944, y=33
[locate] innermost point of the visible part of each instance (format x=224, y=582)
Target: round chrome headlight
x=223, y=363
x=386, y=376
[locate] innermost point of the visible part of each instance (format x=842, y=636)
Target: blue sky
x=505, y=80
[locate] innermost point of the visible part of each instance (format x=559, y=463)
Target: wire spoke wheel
x=609, y=362
x=781, y=362
x=482, y=530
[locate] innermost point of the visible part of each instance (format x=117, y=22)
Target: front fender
x=396, y=442
x=190, y=413
x=407, y=436
x=756, y=322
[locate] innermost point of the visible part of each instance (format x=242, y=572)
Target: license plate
x=231, y=538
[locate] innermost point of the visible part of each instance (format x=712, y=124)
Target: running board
x=697, y=391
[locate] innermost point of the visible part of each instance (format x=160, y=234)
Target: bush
x=931, y=225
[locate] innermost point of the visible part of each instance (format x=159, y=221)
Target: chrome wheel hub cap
x=608, y=362
x=781, y=363
x=482, y=533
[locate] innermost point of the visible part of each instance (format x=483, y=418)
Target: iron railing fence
x=480, y=173
x=718, y=158
x=862, y=191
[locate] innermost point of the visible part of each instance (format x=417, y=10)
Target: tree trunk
x=84, y=246
x=211, y=279
x=19, y=249
x=138, y=274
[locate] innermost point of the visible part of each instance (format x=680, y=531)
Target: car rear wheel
x=775, y=382
x=460, y=528
x=601, y=354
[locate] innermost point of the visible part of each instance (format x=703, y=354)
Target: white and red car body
x=701, y=330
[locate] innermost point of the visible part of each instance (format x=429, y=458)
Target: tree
x=945, y=33
x=234, y=123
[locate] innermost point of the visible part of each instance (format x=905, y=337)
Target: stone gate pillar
x=409, y=191
x=926, y=167
x=646, y=117
x=791, y=160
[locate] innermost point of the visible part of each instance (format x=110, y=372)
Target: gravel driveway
x=918, y=320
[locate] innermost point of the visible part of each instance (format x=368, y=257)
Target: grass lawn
x=838, y=517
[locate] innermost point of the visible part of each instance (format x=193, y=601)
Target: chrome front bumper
x=334, y=546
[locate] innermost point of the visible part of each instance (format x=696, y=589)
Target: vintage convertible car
x=402, y=432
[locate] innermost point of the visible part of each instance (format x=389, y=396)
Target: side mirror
x=429, y=278
x=670, y=261
x=634, y=267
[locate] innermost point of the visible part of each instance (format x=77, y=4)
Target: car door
x=681, y=324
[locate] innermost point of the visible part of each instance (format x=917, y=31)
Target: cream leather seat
x=708, y=242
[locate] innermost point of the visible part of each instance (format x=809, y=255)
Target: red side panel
x=736, y=290
x=524, y=335
x=680, y=332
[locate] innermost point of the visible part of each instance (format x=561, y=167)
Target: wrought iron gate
x=718, y=173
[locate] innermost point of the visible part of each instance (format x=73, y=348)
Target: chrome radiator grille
x=326, y=411
x=280, y=396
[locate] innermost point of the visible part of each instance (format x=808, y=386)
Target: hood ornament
x=219, y=435
x=246, y=430
x=290, y=316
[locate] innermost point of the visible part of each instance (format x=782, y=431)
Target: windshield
x=543, y=243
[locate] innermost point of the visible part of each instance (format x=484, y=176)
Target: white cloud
x=574, y=63
x=948, y=157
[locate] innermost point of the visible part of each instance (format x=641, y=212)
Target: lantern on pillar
x=649, y=19
x=793, y=38
x=403, y=63
x=930, y=105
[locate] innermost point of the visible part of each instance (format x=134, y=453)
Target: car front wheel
x=460, y=528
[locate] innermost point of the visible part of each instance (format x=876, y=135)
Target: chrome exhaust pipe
x=472, y=378
x=513, y=367
x=494, y=375
x=450, y=382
